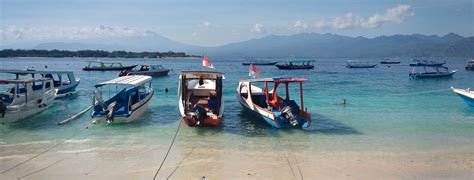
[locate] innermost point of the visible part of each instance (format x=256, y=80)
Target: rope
x=169, y=149
x=287, y=160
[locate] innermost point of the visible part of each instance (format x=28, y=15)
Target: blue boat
x=466, y=94
x=269, y=106
x=64, y=81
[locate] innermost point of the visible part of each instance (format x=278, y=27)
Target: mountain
x=332, y=45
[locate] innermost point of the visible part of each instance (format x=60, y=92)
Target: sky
x=218, y=22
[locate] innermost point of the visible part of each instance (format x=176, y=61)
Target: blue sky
x=213, y=22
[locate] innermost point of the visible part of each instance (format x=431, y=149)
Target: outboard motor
x=200, y=114
x=287, y=114
x=110, y=112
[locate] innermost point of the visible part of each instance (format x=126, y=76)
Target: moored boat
x=24, y=98
x=431, y=72
x=128, y=98
x=388, y=61
x=200, y=97
x=419, y=62
x=260, y=63
x=147, y=70
x=64, y=81
x=106, y=66
x=470, y=65
x=296, y=65
x=360, y=64
x=466, y=94
x=277, y=111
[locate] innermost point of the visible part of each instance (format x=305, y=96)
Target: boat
x=200, y=97
x=276, y=110
x=296, y=65
x=470, y=65
x=24, y=98
x=360, y=64
x=388, y=61
x=466, y=94
x=260, y=63
x=419, y=62
x=430, y=71
x=106, y=66
x=147, y=70
x=64, y=81
x=128, y=98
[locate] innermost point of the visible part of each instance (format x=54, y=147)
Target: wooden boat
x=25, y=97
x=147, y=70
x=419, y=62
x=64, y=81
x=431, y=72
x=128, y=98
x=106, y=66
x=470, y=65
x=466, y=94
x=200, y=97
x=296, y=65
x=267, y=104
x=260, y=63
x=360, y=64
x=388, y=61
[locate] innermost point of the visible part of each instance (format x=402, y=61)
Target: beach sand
x=86, y=160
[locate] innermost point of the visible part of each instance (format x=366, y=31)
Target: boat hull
x=108, y=68
x=466, y=95
x=432, y=75
x=360, y=67
x=260, y=64
x=208, y=121
x=390, y=62
x=14, y=114
x=294, y=67
x=148, y=73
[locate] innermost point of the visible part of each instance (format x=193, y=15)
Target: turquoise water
x=386, y=110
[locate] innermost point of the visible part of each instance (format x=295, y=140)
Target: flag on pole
x=206, y=62
x=253, y=71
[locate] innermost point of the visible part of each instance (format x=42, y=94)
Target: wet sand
x=85, y=160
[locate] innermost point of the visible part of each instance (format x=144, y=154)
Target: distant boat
x=147, y=70
x=64, y=81
x=470, y=65
x=388, y=61
x=25, y=98
x=200, y=97
x=128, y=98
x=276, y=110
x=360, y=64
x=260, y=63
x=418, y=62
x=431, y=71
x=296, y=64
x=106, y=66
x=466, y=94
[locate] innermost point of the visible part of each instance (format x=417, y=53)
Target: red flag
x=253, y=71
x=206, y=62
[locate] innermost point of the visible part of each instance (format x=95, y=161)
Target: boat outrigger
x=200, y=97
x=128, y=99
x=296, y=65
x=431, y=72
x=147, y=70
x=360, y=64
x=25, y=97
x=272, y=108
x=64, y=81
x=466, y=94
x=106, y=66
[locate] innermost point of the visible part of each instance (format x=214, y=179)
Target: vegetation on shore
x=90, y=53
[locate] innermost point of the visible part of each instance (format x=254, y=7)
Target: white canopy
x=133, y=80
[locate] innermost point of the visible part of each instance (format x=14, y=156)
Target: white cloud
x=14, y=33
x=300, y=25
x=258, y=28
x=206, y=24
x=397, y=14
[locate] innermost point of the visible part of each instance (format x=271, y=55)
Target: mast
x=301, y=95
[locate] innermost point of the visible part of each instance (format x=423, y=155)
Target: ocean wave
x=25, y=143
x=13, y=157
x=78, y=151
x=76, y=141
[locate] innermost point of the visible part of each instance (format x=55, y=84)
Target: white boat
x=128, y=98
x=24, y=98
x=200, y=97
x=466, y=94
x=106, y=66
x=360, y=64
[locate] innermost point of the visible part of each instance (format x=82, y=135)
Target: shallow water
x=386, y=110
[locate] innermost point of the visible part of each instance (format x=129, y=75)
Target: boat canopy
x=22, y=81
x=203, y=74
x=279, y=79
x=133, y=80
x=26, y=72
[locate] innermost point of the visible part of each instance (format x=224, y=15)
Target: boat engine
x=110, y=112
x=288, y=115
x=200, y=114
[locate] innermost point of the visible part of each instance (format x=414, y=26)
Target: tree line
x=89, y=53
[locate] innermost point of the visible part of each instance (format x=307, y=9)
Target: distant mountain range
x=300, y=45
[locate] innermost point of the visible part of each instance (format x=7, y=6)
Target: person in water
x=3, y=108
x=343, y=102
x=166, y=90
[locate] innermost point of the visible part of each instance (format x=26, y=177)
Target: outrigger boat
x=128, y=99
x=296, y=65
x=26, y=98
x=64, y=81
x=466, y=94
x=436, y=72
x=360, y=64
x=470, y=65
x=272, y=108
x=419, y=62
x=388, y=61
x=200, y=97
x=106, y=66
x=260, y=63
x=147, y=70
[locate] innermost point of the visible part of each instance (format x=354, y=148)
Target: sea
x=385, y=109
